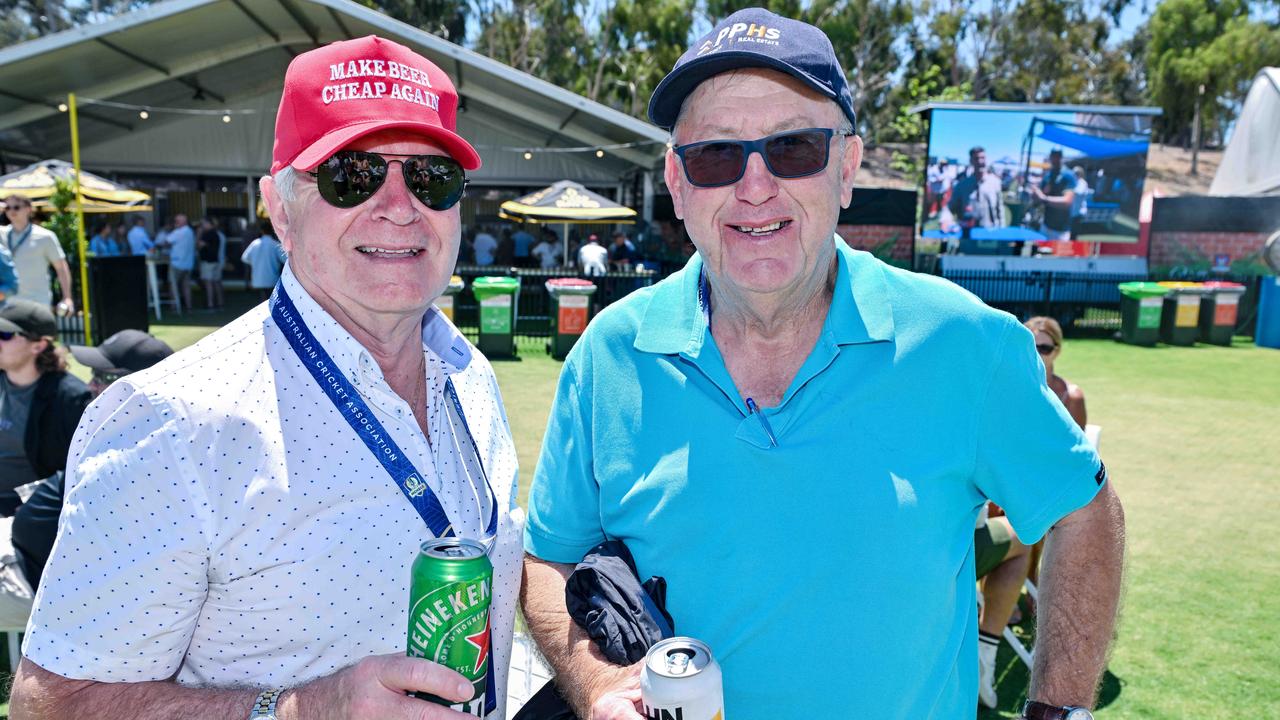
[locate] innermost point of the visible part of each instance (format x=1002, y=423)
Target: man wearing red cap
x=241, y=518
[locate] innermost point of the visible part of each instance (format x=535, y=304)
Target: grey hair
x=284, y=180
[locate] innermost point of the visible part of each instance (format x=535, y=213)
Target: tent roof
x=565, y=201
x=218, y=54
x=1092, y=146
x=1251, y=163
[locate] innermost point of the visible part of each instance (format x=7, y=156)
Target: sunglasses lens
x=6, y=336
x=437, y=181
x=797, y=154
x=350, y=177
x=715, y=163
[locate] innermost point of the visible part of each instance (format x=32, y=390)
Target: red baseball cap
x=345, y=90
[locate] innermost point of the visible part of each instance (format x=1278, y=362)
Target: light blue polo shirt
x=832, y=575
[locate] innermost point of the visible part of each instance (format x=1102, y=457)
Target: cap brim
x=91, y=357
x=326, y=146
x=667, y=98
x=9, y=326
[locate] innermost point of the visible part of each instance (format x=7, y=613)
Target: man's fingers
x=403, y=673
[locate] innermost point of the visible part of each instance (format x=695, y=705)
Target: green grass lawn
x=1189, y=435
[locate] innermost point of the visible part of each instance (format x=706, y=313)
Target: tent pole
x=564, y=253
x=80, y=241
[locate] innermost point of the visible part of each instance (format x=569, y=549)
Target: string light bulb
x=528, y=155
x=62, y=107
x=144, y=114
x=226, y=118
x=599, y=153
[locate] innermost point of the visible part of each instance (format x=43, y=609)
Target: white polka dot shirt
x=223, y=521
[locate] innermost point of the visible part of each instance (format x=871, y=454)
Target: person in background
x=162, y=237
x=102, y=244
x=120, y=236
x=212, y=250
x=34, y=250
x=1056, y=192
x=139, y=241
x=27, y=538
x=505, y=255
x=182, y=257
x=1080, y=202
x=547, y=253
x=524, y=244
x=40, y=403
x=622, y=253
x=976, y=199
x=265, y=259
x=484, y=246
x=593, y=257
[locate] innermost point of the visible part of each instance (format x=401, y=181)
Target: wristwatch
x=1033, y=710
x=264, y=708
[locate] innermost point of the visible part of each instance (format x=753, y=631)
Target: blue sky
x=953, y=132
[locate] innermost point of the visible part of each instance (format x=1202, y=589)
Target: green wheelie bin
x=570, y=312
x=1140, y=305
x=1180, y=320
x=1218, y=310
x=498, y=298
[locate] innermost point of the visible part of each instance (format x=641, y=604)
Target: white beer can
x=681, y=680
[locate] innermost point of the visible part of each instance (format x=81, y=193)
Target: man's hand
x=375, y=687
x=621, y=700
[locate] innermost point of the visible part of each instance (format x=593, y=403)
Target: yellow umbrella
x=567, y=203
x=37, y=183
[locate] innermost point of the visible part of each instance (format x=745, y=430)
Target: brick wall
x=873, y=237
x=1184, y=248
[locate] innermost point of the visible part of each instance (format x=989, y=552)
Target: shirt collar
x=439, y=336
x=860, y=311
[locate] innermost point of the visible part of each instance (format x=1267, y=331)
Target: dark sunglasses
x=7, y=208
x=7, y=336
x=1045, y=349
x=790, y=154
x=352, y=176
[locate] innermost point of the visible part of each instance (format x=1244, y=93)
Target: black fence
x=533, y=308
x=1085, y=304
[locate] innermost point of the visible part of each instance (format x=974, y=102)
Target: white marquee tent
x=1251, y=164
x=213, y=55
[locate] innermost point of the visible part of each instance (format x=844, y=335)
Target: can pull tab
x=678, y=661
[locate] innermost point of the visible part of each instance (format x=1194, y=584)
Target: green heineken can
x=449, y=596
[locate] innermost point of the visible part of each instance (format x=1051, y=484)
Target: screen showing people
x=1060, y=182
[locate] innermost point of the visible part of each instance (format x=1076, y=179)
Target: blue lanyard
x=362, y=420
x=13, y=249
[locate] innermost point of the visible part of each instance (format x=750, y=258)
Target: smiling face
x=763, y=234
x=388, y=255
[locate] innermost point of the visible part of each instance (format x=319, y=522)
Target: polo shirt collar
x=860, y=310
x=438, y=334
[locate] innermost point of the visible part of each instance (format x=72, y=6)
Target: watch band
x=264, y=708
x=1033, y=710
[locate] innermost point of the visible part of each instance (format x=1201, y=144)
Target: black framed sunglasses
x=352, y=176
x=6, y=336
x=790, y=154
x=1045, y=349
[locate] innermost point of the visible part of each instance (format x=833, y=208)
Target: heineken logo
x=415, y=486
x=450, y=626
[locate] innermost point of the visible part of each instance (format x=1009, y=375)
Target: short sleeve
x=127, y=578
x=564, y=501
x=1032, y=459
x=53, y=249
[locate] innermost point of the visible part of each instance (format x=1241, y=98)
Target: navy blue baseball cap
x=754, y=37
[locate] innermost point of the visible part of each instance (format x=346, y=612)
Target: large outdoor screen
x=1050, y=182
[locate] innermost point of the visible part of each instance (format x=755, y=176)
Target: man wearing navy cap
x=799, y=437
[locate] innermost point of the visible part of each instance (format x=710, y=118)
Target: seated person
x=26, y=539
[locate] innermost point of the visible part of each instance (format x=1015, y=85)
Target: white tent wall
x=1251, y=163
